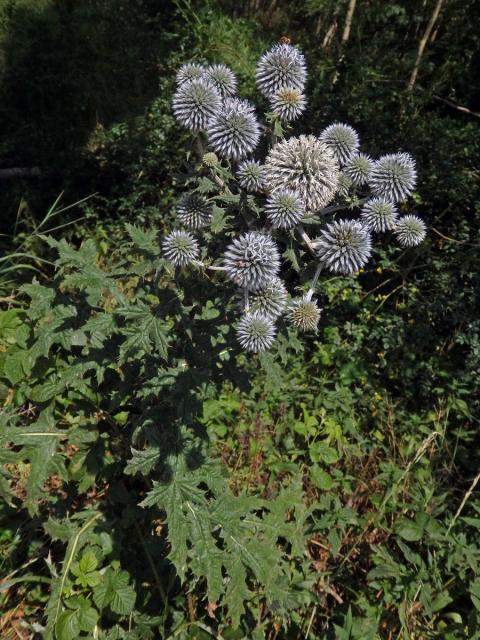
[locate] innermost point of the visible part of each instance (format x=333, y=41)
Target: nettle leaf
x=114, y=591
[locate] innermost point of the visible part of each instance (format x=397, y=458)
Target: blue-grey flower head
x=195, y=102
x=180, y=248
x=252, y=260
x=304, y=314
x=358, y=169
x=282, y=66
x=194, y=211
x=344, y=246
x=255, y=332
x=234, y=131
x=342, y=140
x=393, y=176
x=305, y=165
x=288, y=103
x=270, y=300
x=223, y=78
x=379, y=214
x=251, y=176
x=284, y=209
x=410, y=230
x=189, y=71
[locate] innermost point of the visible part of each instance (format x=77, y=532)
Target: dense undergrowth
x=155, y=481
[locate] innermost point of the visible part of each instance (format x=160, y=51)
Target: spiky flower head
x=194, y=211
x=393, y=176
x=304, y=314
x=223, y=78
x=288, y=104
x=344, y=185
x=252, y=260
x=282, y=66
x=251, y=175
x=189, y=71
x=410, y=230
x=255, y=332
x=180, y=248
x=210, y=160
x=305, y=165
x=358, y=169
x=379, y=214
x=270, y=300
x=284, y=208
x=342, y=140
x=344, y=246
x=195, y=102
x=233, y=132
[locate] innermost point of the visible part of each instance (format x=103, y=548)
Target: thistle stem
x=246, y=301
x=306, y=238
x=209, y=266
x=313, y=284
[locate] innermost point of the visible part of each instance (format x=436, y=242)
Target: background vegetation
x=352, y=458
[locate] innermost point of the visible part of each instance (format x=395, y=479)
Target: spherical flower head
x=344, y=246
x=194, y=103
x=379, y=214
x=282, y=66
x=255, y=332
x=393, y=176
x=358, y=169
x=288, y=104
x=180, y=248
x=270, y=300
x=284, y=209
x=410, y=231
x=252, y=260
x=189, y=71
x=223, y=78
x=210, y=160
x=194, y=211
x=305, y=165
x=233, y=132
x=342, y=140
x=304, y=314
x=251, y=176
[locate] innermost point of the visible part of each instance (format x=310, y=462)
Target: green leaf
x=409, y=530
x=144, y=240
x=115, y=592
x=68, y=625
x=321, y=478
x=88, y=562
x=13, y=366
x=143, y=461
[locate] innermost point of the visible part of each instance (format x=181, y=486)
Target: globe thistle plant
x=304, y=165
x=379, y=214
x=393, y=176
x=180, y=248
x=284, y=209
x=270, y=300
x=304, y=314
x=342, y=140
x=251, y=176
x=410, y=231
x=252, y=260
x=263, y=203
x=255, y=332
x=234, y=131
x=288, y=104
x=194, y=103
x=194, y=211
x=223, y=78
x=282, y=66
x=358, y=169
x=344, y=246
x=189, y=71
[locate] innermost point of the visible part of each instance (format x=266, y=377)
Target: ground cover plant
x=167, y=469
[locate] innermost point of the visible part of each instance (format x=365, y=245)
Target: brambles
x=296, y=178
